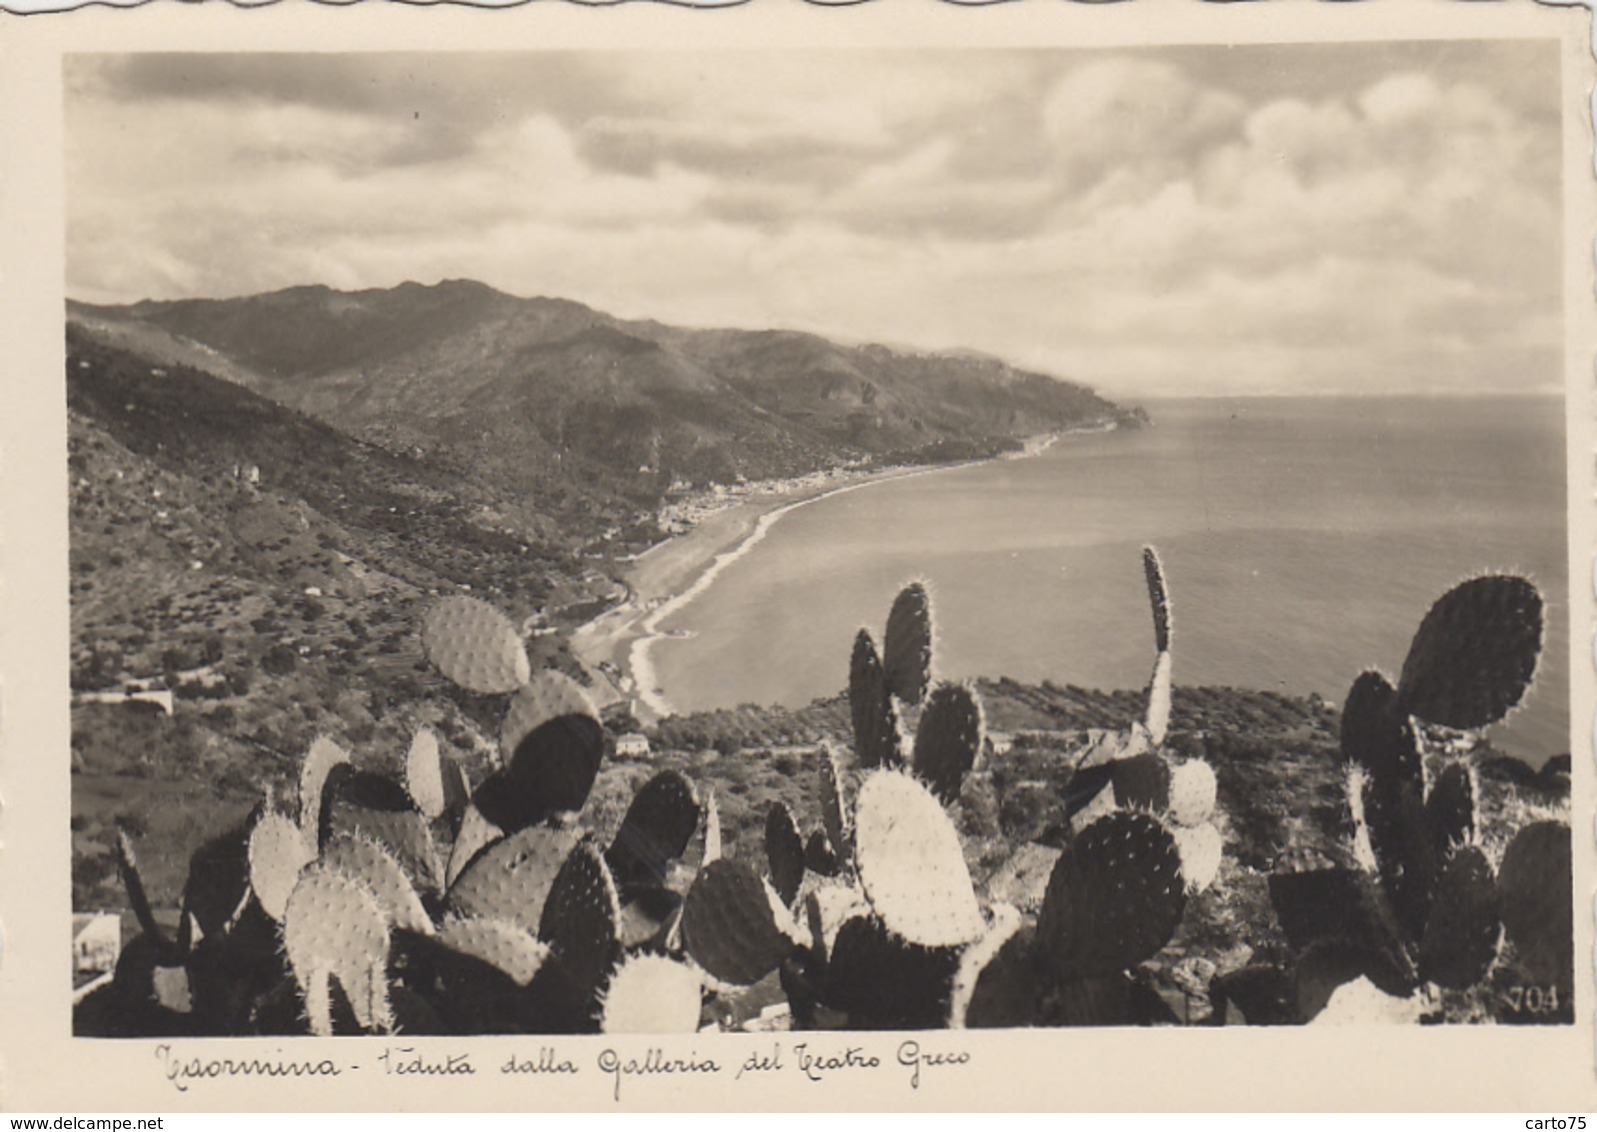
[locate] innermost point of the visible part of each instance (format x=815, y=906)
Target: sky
x=1198, y=220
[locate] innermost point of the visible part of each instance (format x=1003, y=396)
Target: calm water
x=1303, y=538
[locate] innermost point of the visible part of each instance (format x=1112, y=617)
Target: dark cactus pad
x=1114, y=898
x=784, y=850
x=871, y=710
x=1534, y=894
x=819, y=856
x=555, y=764
x=1450, y=810
x=1142, y=782
x=657, y=828
x=729, y=925
x=885, y=983
x=579, y=918
x=218, y=880
x=948, y=740
x=907, y=647
x=1405, y=856
x=1158, y=598
x=1475, y=653
x=1367, y=720
x=1461, y=936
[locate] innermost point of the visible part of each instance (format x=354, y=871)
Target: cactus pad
x=948, y=740
x=323, y=756
x=650, y=994
x=1362, y=1003
x=836, y=814
x=1534, y=887
x=875, y=719
x=819, y=857
x=907, y=645
x=911, y=865
x=332, y=926
x=1475, y=653
x=369, y=805
x=784, y=852
x=375, y=868
x=1156, y=716
x=1461, y=935
x=510, y=879
x=218, y=882
x=733, y=926
x=1450, y=809
x=475, y=645
x=1158, y=598
x=884, y=982
x=278, y=850
x=657, y=827
x=505, y=946
x=476, y=833
x=712, y=830
x=433, y=780
x=1141, y=782
x=997, y=982
x=1114, y=899
x=580, y=917
x=1201, y=848
x=547, y=696
x=1193, y=789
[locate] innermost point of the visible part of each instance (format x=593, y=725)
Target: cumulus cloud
x=1270, y=218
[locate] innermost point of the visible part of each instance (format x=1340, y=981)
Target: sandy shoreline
x=673, y=573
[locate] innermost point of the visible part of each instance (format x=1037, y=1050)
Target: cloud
x=1141, y=220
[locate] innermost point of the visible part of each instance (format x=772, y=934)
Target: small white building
x=632, y=745
x=96, y=941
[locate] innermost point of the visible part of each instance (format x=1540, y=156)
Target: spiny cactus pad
x=433, y=780
x=1160, y=691
x=733, y=925
x=883, y=981
x=1534, y=884
x=547, y=696
x=1158, y=598
x=476, y=833
x=371, y=865
x=658, y=825
x=510, y=880
x=218, y=880
x=368, y=805
x=505, y=946
x=323, y=756
x=1201, y=848
x=875, y=719
x=1475, y=653
x=580, y=916
x=819, y=858
x=911, y=865
x=1450, y=809
x=907, y=645
x=948, y=740
x=475, y=645
x=784, y=851
x=997, y=982
x=650, y=994
x=1461, y=934
x=333, y=926
x=278, y=850
x=837, y=816
x=1193, y=790
x=1114, y=899
x=1142, y=782
x=712, y=830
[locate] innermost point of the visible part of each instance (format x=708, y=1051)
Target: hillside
x=514, y=391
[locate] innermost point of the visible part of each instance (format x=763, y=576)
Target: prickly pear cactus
x=784, y=852
x=877, y=741
x=278, y=850
x=907, y=644
x=511, y=879
x=947, y=740
x=733, y=925
x=1533, y=890
x=503, y=945
x=580, y=916
x=659, y=823
x=475, y=645
x=334, y=928
x=1475, y=653
x=375, y=869
x=434, y=781
x=911, y=865
x=651, y=994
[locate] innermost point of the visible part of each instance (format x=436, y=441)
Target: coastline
x=671, y=574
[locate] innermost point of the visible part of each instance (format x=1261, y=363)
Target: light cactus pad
x=651, y=994
x=911, y=865
x=1201, y=848
x=278, y=851
x=712, y=829
x=323, y=756
x=547, y=696
x=505, y=946
x=475, y=645
x=836, y=815
x=434, y=781
x=511, y=879
x=367, y=862
x=1193, y=790
x=1157, y=716
x=333, y=926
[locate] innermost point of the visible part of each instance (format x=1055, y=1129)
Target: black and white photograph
x=700, y=541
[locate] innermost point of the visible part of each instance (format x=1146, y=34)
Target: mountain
x=513, y=391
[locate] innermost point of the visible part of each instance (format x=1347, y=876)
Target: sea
x=1303, y=540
